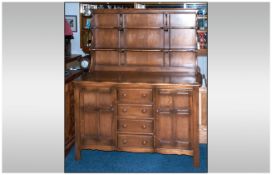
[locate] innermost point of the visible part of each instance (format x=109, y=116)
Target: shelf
x=202, y=52
x=202, y=17
x=72, y=58
x=199, y=31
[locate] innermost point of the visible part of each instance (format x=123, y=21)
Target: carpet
x=125, y=162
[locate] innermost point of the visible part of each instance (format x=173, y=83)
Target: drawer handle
x=144, y=142
x=124, y=125
x=124, y=141
x=144, y=95
x=124, y=110
x=144, y=126
x=144, y=110
x=124, y=94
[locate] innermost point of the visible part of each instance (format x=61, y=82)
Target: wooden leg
x=77, y=152
x=196, y=157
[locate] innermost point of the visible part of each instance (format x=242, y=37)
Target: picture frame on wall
x=72, y=21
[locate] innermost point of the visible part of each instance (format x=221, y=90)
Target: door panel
x=106, y=20
x=182, y=131
x=105, y=99
x=181, y=100
x=183, y=20
x=143, y=38
x=143, y=20
x=106, y=38
x=105, y=124
x=102, y=57
x=89, y=98
x=88, y=125
x=183, y=38
x=185, y=59
x=164, y=129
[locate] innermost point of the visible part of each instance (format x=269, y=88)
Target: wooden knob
x=124, y=141
x=144, y=95
x=124, y=94
x=144, y=142
x=144, y=110
x=144, y=126
x=124, y=125
x=124, y=109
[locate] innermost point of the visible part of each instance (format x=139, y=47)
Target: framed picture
x=72, y=21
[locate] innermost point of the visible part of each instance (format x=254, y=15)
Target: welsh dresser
x=141, y=93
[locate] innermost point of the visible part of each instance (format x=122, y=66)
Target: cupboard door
x=173, y=118
x=98, y=121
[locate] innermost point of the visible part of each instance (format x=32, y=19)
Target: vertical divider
x=77, y=123
x=114, y=106
x=154, y=100
x=97, y=115
x=173, y=116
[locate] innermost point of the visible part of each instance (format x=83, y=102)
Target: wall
x=202, y=63
x=73, y=9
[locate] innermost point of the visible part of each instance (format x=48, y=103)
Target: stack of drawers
x=135, y=122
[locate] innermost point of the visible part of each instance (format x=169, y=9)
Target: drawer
x=142, y=126
x=134, y=140
x=135, y=96
x=141, y=111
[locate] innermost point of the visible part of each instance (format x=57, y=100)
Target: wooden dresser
x=141, y=94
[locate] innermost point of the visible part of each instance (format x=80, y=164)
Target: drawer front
x=144, y=111
x=134, y=140
x=135, y=96
x=142, y=126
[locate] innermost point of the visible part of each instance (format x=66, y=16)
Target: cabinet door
x=173, y=118
x=98, y=121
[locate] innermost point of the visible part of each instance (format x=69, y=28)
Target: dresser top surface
x=150, y=10
x=153, y=78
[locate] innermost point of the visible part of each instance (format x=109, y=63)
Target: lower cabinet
x=173, y=119
x=154, y=119
x=97, y=119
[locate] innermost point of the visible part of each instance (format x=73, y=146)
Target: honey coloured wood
x=141, y=94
